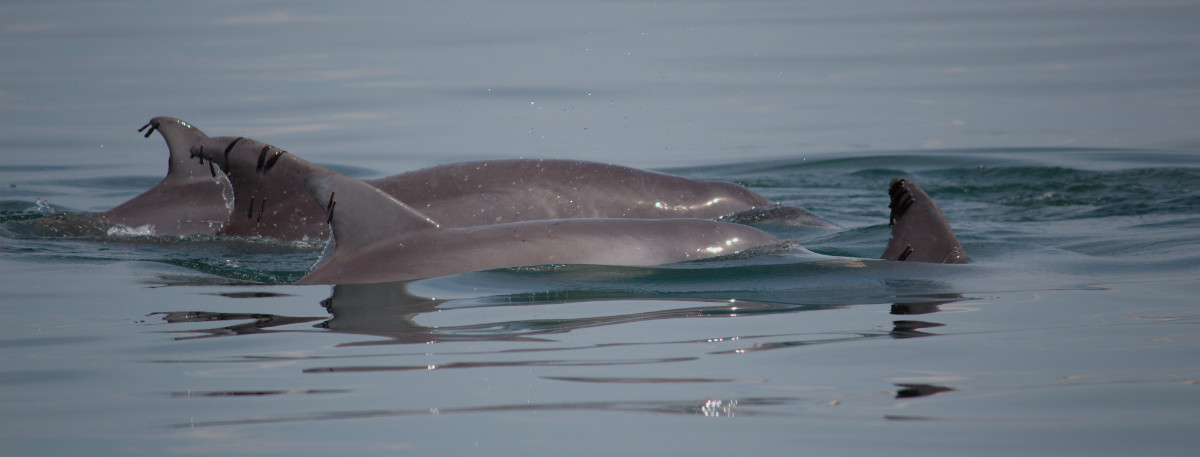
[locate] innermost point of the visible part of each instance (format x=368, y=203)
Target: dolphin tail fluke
x=360, y=214
x=920, y=232
x=180, y=136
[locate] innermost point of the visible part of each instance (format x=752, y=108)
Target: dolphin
x=467, y=194
x=191, y=199
x=377, y=238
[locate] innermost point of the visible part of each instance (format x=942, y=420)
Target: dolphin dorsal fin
x=920, y=232
x=180, y=136
x=360, y=214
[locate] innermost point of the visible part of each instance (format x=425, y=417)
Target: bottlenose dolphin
x=269, y=191
x=377, y=238
x=192, y=199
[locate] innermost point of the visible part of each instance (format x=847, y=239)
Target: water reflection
x=920, y=390
x=708, y=407
x=389, y=310
x=389, y=313
x=258, y=323
x=394, y=313
x=908, y=329
x=253, y=393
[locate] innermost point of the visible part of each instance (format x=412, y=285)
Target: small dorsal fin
x=360, y=214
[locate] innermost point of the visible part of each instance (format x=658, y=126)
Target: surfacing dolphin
x=377, y=238
x=192, y=199
x=269, y=191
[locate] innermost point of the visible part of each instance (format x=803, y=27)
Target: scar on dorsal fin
x=229, y=148
x=920, y=232
x=179, y=136
x=264, y=163
x=151, y=125
x=262, y=157
x=365, y=214
x=329, y=209
x=275, y=158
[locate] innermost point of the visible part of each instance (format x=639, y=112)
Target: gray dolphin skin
x=479, y=215
x=192, y=199
x=377, y=238
x=920, y=233
x=270, y=199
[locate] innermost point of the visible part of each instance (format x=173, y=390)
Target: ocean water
x=1061, y=139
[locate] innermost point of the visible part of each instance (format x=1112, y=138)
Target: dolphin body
x=477, y=193
x=377, y=238
x=197, y=197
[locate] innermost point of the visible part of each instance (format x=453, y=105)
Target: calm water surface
x=1060, y=138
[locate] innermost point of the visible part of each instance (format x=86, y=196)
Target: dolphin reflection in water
x=390, y=313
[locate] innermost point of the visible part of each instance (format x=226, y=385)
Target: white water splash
x=125, y=230
x=44, y=208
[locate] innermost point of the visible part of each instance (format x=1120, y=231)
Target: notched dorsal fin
x=180, y=136
x=920, y=232
x=360, y=214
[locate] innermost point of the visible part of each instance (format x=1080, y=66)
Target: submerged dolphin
x=271, y=195
x=192, y=199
